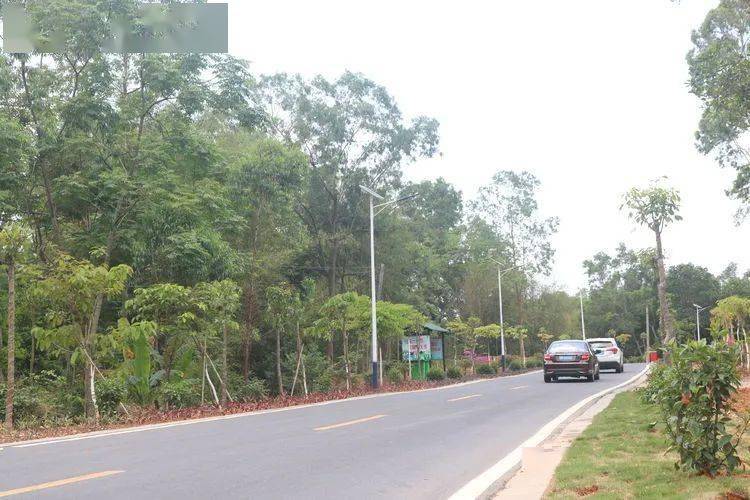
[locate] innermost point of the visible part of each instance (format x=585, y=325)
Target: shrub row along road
x=418, y=445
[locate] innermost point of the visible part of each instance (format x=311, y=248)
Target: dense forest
x=178, y=230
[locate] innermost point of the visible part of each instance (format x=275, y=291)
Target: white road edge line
x=478, y=486
x=178, y=423
x=519, y=387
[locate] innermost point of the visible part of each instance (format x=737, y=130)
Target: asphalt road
x=410, y=445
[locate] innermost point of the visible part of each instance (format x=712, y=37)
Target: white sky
x=590, y=95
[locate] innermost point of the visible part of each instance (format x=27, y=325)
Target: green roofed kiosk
x=431, y=329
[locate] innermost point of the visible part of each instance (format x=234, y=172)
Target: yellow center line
x=61, y=482
x=519, y=387
x=464, y=397
x=350, y=422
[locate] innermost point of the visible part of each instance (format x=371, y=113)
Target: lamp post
x=583, y=323
x=500, y=274
x=698, y=309
x=373, y=298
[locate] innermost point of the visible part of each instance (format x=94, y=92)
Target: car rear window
x=602, y=344
x=568, y=345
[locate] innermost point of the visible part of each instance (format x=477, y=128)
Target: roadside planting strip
x=178, y=423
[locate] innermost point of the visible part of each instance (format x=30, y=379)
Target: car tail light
x=585, y=356
x=613, y=350
x=548, y=357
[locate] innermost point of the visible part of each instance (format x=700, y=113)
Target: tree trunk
x=304, y=376
x=11, y=344
x=278, y=363
x=299, y=359
x=92, y=411
x=665, y=317
x=346, y=361
x=224, y=366
x=2, y=378
x=523, y=351
x=32, y=358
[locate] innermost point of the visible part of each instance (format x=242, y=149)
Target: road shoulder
x=488, y=483
x=539, y=462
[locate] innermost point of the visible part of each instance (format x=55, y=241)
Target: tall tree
x=70, y=289
x=353, y=133
x=656, y=207
x=13, y=239
x=720, y=78
x=509, y=206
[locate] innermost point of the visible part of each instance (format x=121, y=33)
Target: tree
x=656, y=207
x=687, y=285
x=509, y=207
x=13, y=241
x=729, y=317
x=545, y=337
x=343, y=313
x=218, y=302
x=283, y=308
x=466, y=333
x=488, y=332
x=353, y=133
x=719, y=77
x=519, y=333
x=71, y=288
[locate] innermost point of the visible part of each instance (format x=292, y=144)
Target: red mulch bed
x=741, y=400
x=150, y=415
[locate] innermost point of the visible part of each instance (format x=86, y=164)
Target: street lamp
x=500, y=274
x=583, y=323
x=698, y=309
x=373, y=299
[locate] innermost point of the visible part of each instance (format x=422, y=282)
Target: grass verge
x=621, y=455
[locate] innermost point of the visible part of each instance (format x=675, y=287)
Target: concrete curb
x=178, y=423
x=491, y=480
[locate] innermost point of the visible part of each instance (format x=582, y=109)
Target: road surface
x=410, y=445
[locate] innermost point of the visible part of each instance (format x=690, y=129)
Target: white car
x=608, y=353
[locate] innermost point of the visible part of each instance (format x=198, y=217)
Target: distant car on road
x=570, y=358
x=608, y=353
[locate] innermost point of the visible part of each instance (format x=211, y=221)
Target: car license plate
x=566, y=358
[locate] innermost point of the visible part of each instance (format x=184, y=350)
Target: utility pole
x=500, y=273
x=648, y=336
x=502, y=327
x=698, y=309
x=583, y=323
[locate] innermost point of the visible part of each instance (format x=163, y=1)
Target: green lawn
x=619, y=456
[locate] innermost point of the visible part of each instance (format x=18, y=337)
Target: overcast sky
x=589, y=95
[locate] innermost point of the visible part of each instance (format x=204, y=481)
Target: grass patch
x=621, y=455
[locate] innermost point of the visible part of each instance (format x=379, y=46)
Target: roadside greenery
x=693, y=392
x=176, y=230
x=622, y=455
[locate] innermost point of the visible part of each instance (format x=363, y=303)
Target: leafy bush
x=324, y=381
x=515, y=365
x=254, y=389
x=534, y=362
x=394, y=375
x=182, y=393
x=110, y=392
x=486, y=370
x=464, y=364
x=454, y=373
x=693, y=393
x=435, y=375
